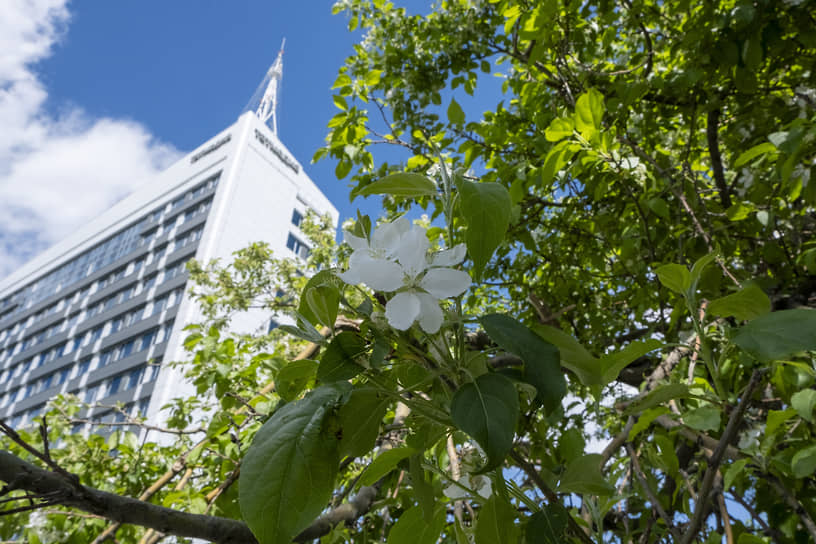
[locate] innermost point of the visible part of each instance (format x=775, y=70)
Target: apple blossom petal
x=445, y=282
x=350, y=277
x=449, y=257
x=355, y=242
x=430, y=315
x=412, y=251
x=402, y=310
x=386, y=236
x=379, y=274
x=455, y=491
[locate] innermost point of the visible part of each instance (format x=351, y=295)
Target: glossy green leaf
x=803, y=402
x=804, y=462
x=549, y=526
x=745, y=304
x=705, y=418
x=778, y=334
x=486, y=410
x=613, y=363
x=320, y=299
x=542, y=368
x=557, y=158
x=342, y=358
x=455, y=114
x=291, y=452
x=589, y=110
x=752, y=153
x=360, y=420
x=659, y=395
x=559, y=129
x=583, y=476
x=293, y=378
x=496, y=522
x=574, y=356
x=486, y=210
x=674, y=276
x=384, y=463
x=402, y=184
x=412, y=528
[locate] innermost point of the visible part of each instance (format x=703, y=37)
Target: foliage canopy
x=638, y=213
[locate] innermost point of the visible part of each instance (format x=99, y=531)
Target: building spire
x=264, y=101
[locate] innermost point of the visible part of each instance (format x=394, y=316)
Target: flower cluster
x=397, y=259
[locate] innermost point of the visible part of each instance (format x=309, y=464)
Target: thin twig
x=652, y=497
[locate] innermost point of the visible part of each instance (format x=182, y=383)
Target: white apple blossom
x=478, y=483
x=397, y=259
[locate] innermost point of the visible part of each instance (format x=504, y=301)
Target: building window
x=297, y=246
x=297, y=218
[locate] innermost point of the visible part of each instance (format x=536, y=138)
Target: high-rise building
x=99, y=313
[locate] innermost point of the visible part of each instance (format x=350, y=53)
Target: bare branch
x=19, y=474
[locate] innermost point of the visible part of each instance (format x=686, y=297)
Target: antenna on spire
x=264, y=101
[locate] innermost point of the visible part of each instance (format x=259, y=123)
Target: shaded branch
x=19, y=474
x=716, y=458
x=712, y=127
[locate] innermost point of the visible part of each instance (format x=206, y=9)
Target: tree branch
x=19, y=474
x=712, y=128
x=728, y=436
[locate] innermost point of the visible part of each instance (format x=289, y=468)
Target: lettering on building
x=284, y=158
x=210, y=148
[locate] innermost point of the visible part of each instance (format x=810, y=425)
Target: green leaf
x=559, y=129
x=589, y=110
x=732, y=472
x=674, y=276
x=423, y=490
x=293, y=378
x=455, y=114
x=754, y=152
x=320, y=299
x=697, y=270
x=340, y=102
x=706, y=418
x=290, y=453
x=573, y=355
x=777, y=417
x=486, y=410
x=360, y=420
x=745, y=304
x=804, y=462
x=496, y=522
x=583, y=476
x=659, y=395
x=402, y=184
x=549, y=526
x=412, y=528
x=486, y=210
x=803, y=402
x=342, y=358
x=542, y=368
x=738, y=211
x=556, y=159
x=778, y=334
x=383, y=464
x=613, y=363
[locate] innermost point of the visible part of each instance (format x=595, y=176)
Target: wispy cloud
x=56, y=172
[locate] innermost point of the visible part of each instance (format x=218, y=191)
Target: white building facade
x=99, y=314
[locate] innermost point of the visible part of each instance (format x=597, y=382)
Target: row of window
x=90, y=336
x=122, y=381
x=135, y=288
x=104, y=253
x=132, y=409
x=176, y=221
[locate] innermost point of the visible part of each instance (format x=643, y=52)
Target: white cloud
x=56, y=172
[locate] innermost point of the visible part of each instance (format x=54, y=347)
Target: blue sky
x=95, y=97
